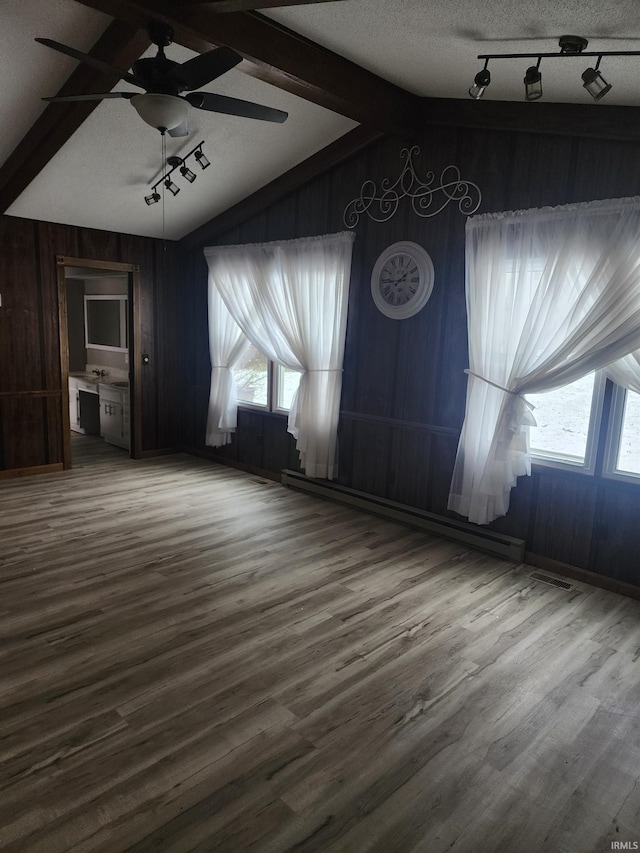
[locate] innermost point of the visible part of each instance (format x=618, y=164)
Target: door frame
x=135, y=335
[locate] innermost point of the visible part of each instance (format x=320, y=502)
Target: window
x=623, y=446
x=263, y=384
x=570, y=421
x=567, y=421
x=252, y=378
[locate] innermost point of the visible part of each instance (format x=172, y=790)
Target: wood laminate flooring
x=195, y=659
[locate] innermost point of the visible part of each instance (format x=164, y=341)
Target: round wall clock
x=402, y=280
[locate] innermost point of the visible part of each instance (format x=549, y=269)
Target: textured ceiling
x=100, y=176
x=28, y=68
x=430, y=47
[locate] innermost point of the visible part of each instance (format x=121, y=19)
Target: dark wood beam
x=328, y=157
x=120, y=45
x=247, y=5
x=597, y=121
x=280, y=57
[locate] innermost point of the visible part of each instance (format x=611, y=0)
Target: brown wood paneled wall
x=404, y=386
x=30, y=378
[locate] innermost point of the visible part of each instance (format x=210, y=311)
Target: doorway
x=99, y=332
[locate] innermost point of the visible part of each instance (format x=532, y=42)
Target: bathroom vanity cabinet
x=114, y=414
x=84, y=406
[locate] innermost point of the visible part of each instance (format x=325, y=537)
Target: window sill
x=562, y=465
x=578, y=475
x=247, y=407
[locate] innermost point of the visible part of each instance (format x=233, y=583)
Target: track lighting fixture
x=533, y=83
x=187, y=174
x=202, y=160
x=173, y=189
x=480, y=82
x=570, y=47
x=180, y=164
x=594, y=82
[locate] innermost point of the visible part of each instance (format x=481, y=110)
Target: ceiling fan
x=163, y=80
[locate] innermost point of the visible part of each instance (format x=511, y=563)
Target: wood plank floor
x=194, y=659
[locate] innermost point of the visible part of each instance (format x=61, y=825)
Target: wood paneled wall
x=404, y=388
x=30, y=378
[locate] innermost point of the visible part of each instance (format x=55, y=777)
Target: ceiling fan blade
x=202, y=69
x=96, y=97
x=234, y=107
x=180, y=130
x=90, y=60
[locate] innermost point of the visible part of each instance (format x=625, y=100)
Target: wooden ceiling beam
x=603, y=121
x=119, y=45
x=280, y=57
x=247, y=5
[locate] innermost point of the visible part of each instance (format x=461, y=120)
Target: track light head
x=173, y=189
x=187, y=174
x=533, y=83
x=153, y=198
x=480, y=83
x=595, y=84
x=202, y=160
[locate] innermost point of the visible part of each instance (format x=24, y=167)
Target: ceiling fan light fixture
x=202, y=160
x=164, y=112
x=533, y=83
x=595, y=84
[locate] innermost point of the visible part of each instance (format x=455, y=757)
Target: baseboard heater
x=477, y=537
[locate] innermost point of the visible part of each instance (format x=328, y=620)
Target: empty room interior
x=320, y=426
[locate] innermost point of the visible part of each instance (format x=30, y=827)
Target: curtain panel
x=552, y=294
x=290, y=300
x=227, y=345
x=626, y=372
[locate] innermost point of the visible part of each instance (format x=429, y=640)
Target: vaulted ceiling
x=345, y=71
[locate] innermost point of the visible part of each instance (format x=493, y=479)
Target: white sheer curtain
x=626, y=371
x=227, y=344
x=552, y=294
x=290, y=300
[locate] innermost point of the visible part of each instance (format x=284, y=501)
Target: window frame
x=596, y=418
x=274, y=383
x=278, y=383
x=603, y=439
x=614, y=438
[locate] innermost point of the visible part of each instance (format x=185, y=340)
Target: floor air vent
x=551, y=581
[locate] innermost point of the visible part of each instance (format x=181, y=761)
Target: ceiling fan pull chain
x=164, y=172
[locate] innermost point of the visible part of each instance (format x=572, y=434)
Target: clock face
x=402, y=280
x=399, y=279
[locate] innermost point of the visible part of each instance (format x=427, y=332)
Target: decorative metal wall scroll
x=426, y=199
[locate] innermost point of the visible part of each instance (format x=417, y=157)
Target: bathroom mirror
x=105, y=322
